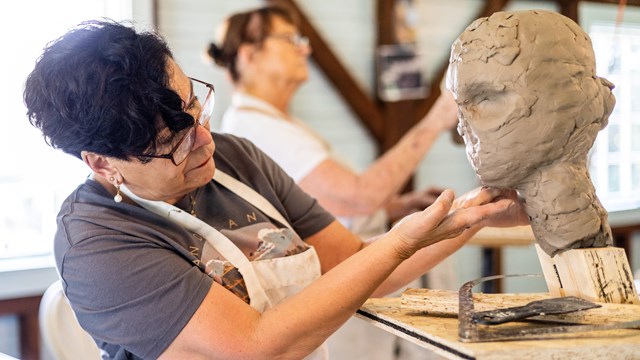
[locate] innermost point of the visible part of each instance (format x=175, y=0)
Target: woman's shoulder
x=238, y=153
x=232, y=144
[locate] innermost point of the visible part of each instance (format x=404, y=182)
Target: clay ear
x=606, y=83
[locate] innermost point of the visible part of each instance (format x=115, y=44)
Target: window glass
x=614, y=178
x=35, y=179
x=635, y=177
x=614, y=161
x=614, y=137
x=635, y=137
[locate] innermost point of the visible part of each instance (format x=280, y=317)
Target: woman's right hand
x=449, y=217
x=443, y=115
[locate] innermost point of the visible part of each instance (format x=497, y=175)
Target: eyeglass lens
x=206, y=113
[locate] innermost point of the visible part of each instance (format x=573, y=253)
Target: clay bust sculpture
x=530, y=107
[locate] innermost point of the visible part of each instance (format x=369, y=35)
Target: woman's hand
x=449, y=217
x=404, y=204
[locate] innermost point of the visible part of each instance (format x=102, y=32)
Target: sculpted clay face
x=530, y=107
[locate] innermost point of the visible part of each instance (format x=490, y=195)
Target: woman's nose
x=203, y=136
x=305, y=49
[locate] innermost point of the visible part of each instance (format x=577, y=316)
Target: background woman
x=266, y=58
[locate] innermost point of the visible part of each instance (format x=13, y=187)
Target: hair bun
x=216, y=54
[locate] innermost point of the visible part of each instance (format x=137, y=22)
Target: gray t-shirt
x=134, y=279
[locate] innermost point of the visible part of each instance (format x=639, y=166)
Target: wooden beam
x=336, y=73
x=569, y=8
x=155, y=15
x=384, y=17
x=398, y=115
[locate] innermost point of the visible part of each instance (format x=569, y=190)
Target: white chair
x=62, y=335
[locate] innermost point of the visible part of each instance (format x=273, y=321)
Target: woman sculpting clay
x=530, y=106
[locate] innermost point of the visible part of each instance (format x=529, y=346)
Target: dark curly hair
x=103, y=87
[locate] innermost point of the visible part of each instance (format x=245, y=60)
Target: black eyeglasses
x=182, y=149
x=296, y=39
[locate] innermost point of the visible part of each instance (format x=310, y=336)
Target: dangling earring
x=118, y=197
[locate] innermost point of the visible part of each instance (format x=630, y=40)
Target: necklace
x=192, y=198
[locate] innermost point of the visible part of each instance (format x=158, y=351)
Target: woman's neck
x=278, y=96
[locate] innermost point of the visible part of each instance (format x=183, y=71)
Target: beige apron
x=268, y=281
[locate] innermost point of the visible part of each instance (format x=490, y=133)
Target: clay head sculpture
x=530, y=107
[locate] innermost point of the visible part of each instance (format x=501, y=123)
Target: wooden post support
x=594, y=274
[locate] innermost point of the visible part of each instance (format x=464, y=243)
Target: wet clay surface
x=530, y=107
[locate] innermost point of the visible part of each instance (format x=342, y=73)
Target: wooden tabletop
x=439, y=333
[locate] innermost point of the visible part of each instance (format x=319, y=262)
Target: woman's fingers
x=483, y=195
x=412, y=230
x=440, y=221
x=506, y=212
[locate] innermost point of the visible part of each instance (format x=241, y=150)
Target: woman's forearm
x=421, y=262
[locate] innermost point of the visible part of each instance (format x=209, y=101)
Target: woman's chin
x=204, y=172
x=209, y=167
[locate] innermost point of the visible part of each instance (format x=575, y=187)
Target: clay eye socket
x=490, y=109
x=480, y=102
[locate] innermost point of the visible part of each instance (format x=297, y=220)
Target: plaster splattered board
x=445, y=303
x=429, y=318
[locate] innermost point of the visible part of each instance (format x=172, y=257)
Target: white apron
x=268, y=281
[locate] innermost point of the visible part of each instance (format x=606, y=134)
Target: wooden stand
x=594, y=274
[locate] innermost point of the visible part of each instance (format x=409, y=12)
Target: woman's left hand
x=512, y=210
x=447, y=218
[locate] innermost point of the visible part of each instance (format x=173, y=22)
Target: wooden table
x=440, y=334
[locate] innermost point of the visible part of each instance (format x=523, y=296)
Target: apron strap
x=249, y=195
x=220, y=242
x=170, y=212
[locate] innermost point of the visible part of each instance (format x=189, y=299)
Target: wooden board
x=498, y=237
x=594, y=274
x=445, y=303
x=439, y=333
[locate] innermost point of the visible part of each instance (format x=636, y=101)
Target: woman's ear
x=100, y=165
x=246, y=54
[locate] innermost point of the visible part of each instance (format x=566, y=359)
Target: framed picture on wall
x=400, y=73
